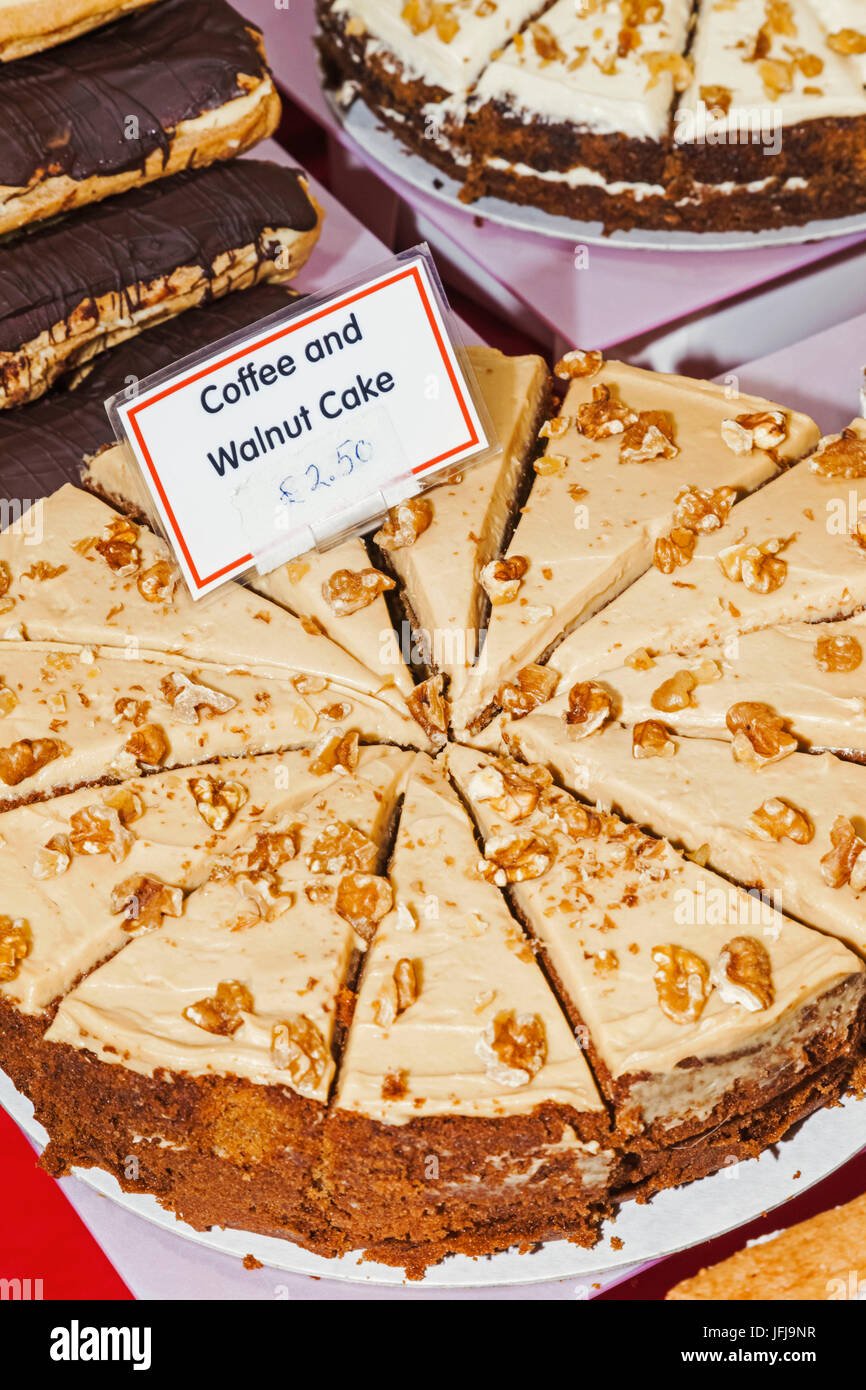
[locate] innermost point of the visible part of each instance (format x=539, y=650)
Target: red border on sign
x=134, y=411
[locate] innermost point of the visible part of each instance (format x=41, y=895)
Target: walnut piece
x=847, y=41
x=53, y=859
x=429, y=708
x=26, y=757
x=650, y=739
x=512, y=789
x=649, y=437
x=578, y=363
x=118, y=547
x=340, y=849
x=743, y=974
x=189, y=699
x=671, y=551
x=604, y=415
x=271, y=850
x=776, y=819
x=8, y=700
x=336, y=752
x=765, y=429
x=405, y=523
x=589, y=707
x=760, y=736
x=675, y=693
x=845, y=862
x=398, y=994
x=148, y=745
x=531, y=687
x=840, y=456
x=501, y=579
x=703, y=510
x=362, y=900
x=158, y=582
x=221, y=1013
x=838, y=654
x=348, y=591
x=297, y=1046
x=513, y=1048
x=516, y=858
x=16, y=943
x=217, y=800
x=758, y=567
x=98, y=829
x=682, y=981
x=145, y=901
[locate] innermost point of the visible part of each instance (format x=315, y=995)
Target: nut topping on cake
x=298, y=1047
x=16, y=943
x=674, y=550
x=776, y=819
x=53, y=859
x=650, y=739
x=26, y=757
x=362, y=900
x=758, y=567
x=5, y=579
x=531, y=687
x=148, y=745
x=703, y=509
x=501, y=579
x=217, y=800
x=838, y=654
x=342, y=848
x=743, y=974
x=840, y=456
x=760, y=736
x=221, y=1014
x=118, y=547
x=513, y=791
x=604, y=415
x=422, y=15
x=429, y=708
x=405, y=523
x=127, y=803
x=847, y=41
x=157, y=583
x=845, y=862
x=766, y=429
x=682, y=981
x=145, y=901
x=650, y=436
x=589, y=707
x=514, y=859
x=337, y=752
x=271, y=850
x=348, y=591
x=98, y=829
x=513, y=1048
x=397, y=995
x=675, y=693
x=188, y=698
x=578, y=363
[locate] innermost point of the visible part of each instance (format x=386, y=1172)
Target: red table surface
x=41, y=1235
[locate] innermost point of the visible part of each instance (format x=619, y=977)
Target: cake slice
x=27, y=28
x=631, y=455
x=790, y=827
x=71, y=716
x=818, y=1259
x=809, y=673
x=792, y=552
x=461, y=1089
x=698, y=1008
x=442, y=570
x=205, y=1049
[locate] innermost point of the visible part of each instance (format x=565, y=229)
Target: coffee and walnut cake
x=680, y=114
x=440, y=958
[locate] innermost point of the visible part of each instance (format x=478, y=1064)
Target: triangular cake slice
x=75, y=715
x=455, y=1019
x=790, y=552
x=74, y=868
x=790, y=827
x=442, y=569
x=698, y=1006
x=811, y=674
x=72, y=570
x=631, y=455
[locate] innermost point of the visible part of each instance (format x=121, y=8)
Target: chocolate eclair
x=72, y=289
x=181, y=83
x=29, y=26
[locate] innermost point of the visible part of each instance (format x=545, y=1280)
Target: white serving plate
x=672, y=1221
x=377, y=142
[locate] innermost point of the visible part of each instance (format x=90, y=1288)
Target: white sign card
x=306, y=427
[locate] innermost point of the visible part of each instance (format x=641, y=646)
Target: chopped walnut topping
x=26, y=757
x=511, y=789
x=145, y=902
x=679, y=67
x=838, y=654
x=604, y=415
x=348, y=591
x=5, y=579
x=531, y=687
x=758, y=567
x=40, y=570
x=217, y=800
x=675, y=693
x=702, y=509
x=362, y=900
x=119, y=548
x=765, y=429
x=340, y=849
x=309, y=685
x=16, y=943
x=589, y=707
x=421, y=15
x=397, y=995
x=743, y=974
x=406, y=522
x=271, y=850
x=682, y=981
x=650, y=739
x=556, y=427
x=158, y=582
x=550, y=465
x=760, y=736
x=297, y=1046
x=188, y=698
x=501, y=579
x=222, y=1013
x=127, y=803
x=148, y=745
x=846, y=861
x=53, y=859
x=578, y=363
x=776, y=819
x=429, y=708
x=640, y=660
x=717, y=99
x=651, y=436
x=8, y=700
x=98, y=829
x=515, y=859
x=669, y=552
x=545, y=43
x=337, y=752
x=513, y=1048
x=840, y=456
x=847, y=41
